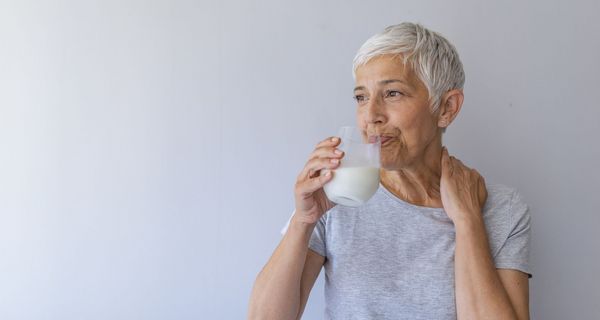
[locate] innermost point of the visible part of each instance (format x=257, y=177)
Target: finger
x=329, y=142
x=482, y=191
x=318, y=164
x=477, y=177
x=326, y=152
x=307, y=187
x=459, y=166
x=453, y=165
x=482, y=183
x=460, y=163
x=445, y=161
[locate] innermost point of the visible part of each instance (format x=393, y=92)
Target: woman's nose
x=375, y=112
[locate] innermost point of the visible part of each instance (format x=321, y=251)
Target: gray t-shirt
x=389, y=259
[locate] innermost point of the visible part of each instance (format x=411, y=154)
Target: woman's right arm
x=282, y=287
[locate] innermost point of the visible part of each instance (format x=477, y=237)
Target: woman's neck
x=418, y=185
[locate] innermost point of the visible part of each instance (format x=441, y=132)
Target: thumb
x=445, y=160
x=482, y=191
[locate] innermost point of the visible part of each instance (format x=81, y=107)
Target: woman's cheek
x=389, y=157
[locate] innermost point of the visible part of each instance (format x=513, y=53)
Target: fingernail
x=334, y=139
x=328, y=173
x=337, y=151
x=336, y=161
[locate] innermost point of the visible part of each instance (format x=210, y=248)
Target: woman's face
x=393, y=103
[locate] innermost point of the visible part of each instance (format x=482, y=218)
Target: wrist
x=301, y=225
x=468, y=222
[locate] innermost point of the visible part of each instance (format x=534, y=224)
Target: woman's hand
x=462, y=189
x=311, y=201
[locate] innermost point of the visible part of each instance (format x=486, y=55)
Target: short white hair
x=431, y=56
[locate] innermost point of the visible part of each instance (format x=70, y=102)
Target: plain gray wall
x=148, y=149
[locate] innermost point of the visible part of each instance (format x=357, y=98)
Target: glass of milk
x=356, y=179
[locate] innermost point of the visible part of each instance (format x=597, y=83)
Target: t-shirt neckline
x=392, y=196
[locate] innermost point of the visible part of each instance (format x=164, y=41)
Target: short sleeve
x=317, y=238
x=514, y=253
x=287, y=224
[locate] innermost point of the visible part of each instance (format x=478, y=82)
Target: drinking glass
x=356, y=179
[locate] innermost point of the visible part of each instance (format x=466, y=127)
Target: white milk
x=352, y=186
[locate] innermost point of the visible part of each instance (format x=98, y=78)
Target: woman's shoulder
x=502, y=197
x=497, y=190
x=504, y=211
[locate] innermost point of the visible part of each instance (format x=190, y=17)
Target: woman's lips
x=385, y=139
x=382, y=139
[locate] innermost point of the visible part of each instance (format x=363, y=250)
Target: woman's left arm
x=482, y=291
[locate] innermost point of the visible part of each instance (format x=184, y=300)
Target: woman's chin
x=393, y=163
x=389, y=166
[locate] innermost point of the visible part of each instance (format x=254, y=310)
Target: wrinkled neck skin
x=418, y=183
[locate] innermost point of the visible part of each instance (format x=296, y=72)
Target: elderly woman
x=435, y=241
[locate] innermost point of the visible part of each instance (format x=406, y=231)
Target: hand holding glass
x=357, y=178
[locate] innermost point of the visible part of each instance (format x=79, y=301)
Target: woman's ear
x=450, y=107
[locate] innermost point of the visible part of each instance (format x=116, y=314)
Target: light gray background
x=148, y=149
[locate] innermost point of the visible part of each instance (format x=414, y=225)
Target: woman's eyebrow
x=384, y=82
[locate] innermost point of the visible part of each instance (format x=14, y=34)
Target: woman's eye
x=393, y=94
x=359, y=98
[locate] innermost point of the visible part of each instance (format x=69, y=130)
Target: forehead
x=386, y=67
